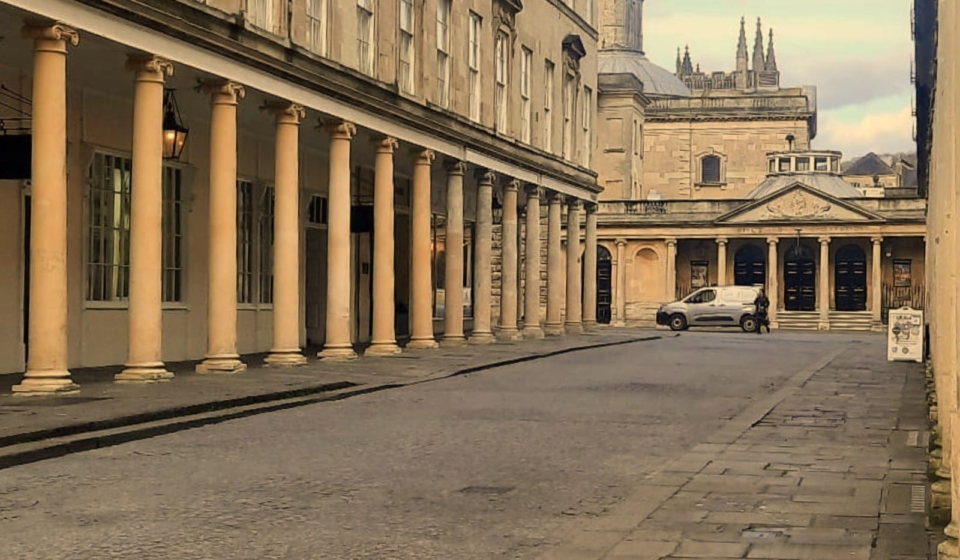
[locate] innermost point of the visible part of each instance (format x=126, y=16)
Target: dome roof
x=823, y=182
x=656, y=81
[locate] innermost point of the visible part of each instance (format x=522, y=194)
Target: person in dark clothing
x=762, y=305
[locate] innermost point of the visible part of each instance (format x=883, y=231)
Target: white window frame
x=587, y=125
x=473, y=61
x=317, y=16
x=444, y=9
x=501, y=79
x=263, y=14
x=406, y=51
x=526, y=106
x=569, y=115
x=366, y=36
x=549, y=78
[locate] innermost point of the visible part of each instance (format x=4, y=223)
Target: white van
x=727, y=306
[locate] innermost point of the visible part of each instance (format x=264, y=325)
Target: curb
x=151, y=424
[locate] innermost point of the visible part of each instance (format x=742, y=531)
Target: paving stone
x=695, y=549
x=641, y=549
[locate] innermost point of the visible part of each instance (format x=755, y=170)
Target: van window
x=705, y=296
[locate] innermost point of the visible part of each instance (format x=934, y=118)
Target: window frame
x=526, y=105
x=550, y=76
x=501, y=82
x=704, y=180
x=264, y=15
x=317, y=26
x=475, y=87
x=406, y=47
x=587, y=127
x=444, y=11
x=366, y=37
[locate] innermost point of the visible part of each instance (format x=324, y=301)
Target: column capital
x=574, y=203
x=533, y=191
x=722, y=241
x=423, y=157
x=221, y=91
x=339, y=130
x=149, y=67
x=553, y=197
x=385, y=144
x=671, y=241
x=512, y=185
x=285, y=111
x=773, y=240
x=50, y=31
x=621, y=242
x=824, y=240
x=456, y=167
x=591, y=207
x=486, y=177
x=876, y=240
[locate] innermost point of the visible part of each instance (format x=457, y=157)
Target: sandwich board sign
x=905, y=335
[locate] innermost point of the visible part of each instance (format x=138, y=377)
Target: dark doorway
x=750, y=266
x=851, y=279
x=604, y=285
x=800, y=280
x=26, y=277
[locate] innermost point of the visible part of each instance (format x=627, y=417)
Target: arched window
x=710, y=169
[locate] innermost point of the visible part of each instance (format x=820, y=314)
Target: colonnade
x=47, y=368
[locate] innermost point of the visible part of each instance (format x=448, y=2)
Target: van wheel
x=748, y=324
x=678, y=322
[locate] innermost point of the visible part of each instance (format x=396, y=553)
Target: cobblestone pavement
x=710, y=445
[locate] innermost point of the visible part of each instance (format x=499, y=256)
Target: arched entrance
x=850, y=283
x=799, y=280
x=750, y=266
x=604, y=285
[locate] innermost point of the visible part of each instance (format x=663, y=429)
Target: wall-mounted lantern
x=174, y=131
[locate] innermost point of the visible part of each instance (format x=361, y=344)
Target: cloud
x=842, y=82
x=881, y=132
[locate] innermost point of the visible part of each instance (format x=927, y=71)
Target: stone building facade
x=710, y=178
x=334, y=151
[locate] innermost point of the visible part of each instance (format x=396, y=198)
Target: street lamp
x=174, y=132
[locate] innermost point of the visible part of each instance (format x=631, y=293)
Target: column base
x=222, y=365
x=948, y=550
x=383, y=349
x=938, y=513
x=533, y=333
x=823, y=326
x=422, y=344
x=589, y=326
x=46, y=383
x=482, y=338
x=509, y=334
x=337, y=354
x=877, y=326
x=573, y=328
x=553, y=329
x=453, y=340
x=144, y=373
x=285, y=358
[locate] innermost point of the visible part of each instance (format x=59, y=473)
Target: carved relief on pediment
x=799, y=205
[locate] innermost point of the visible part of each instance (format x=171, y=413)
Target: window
x=803, y=164
x=268, y=203
x=443, y=53
x=586, y=122
x=784, y=165
x=636, y=138
x=108, y=230
x=710, y=170
x=317, y=26
x=244, y=241
x=365, y=35
x=705, y=296
x=500, y=50
x=474, y=64
x=820, y=163
x=407, y=53
x=317, y=211
x=773, y=165
x=548, y=107
x=569, y=111
x=526, y=107
x=262, y=14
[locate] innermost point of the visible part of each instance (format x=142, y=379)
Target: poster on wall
x=698, y=274
x=901, y=274
x=905, y=335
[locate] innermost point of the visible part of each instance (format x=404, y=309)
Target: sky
x=857, y=53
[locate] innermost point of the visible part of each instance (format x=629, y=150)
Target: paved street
x=713, y=445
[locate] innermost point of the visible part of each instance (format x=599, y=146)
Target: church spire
x=759, y=62
x=771, y=64
x=686, y=68
x=742, y=45
x=679, y=63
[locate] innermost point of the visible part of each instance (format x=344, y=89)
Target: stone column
x=573, y=324
x=338, y=347
x=876, y=285
x=824, y=284
x=671, y=270
x=590, y=270
x=721, y=261
x=222, y=354
x=453, y=317
x=286, y=237
x=47, y=367
x=482, y=274
x=508, y=267
x=773, y=285
x=531, y=290
x=421, y=271
x=145, y=314
x=384, y=341
x=554, y=324
x=621, y=297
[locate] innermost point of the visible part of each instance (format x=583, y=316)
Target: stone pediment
x=799, y=203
